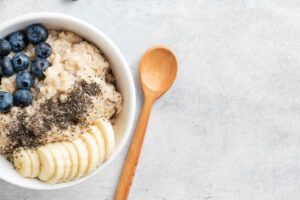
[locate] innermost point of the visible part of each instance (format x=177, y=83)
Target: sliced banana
x=74, y=159
x=60, y=163
x=47, y=163
x=68, y=161
x=96, y=133
x=65, y=161
x=22, y=162
x=35, y=162
x=93, y=151
x=108, y=134
x=83, y=157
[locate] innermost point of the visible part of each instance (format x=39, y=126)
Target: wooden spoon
x=158, y=69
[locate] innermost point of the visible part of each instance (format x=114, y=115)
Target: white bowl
x=119, y=67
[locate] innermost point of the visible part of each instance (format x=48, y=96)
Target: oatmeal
x=78, y=88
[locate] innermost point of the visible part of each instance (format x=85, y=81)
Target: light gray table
x=229, y=129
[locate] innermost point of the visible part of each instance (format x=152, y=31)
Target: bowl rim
x=131, y=87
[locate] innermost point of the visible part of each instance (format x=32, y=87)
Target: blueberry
x=5, y=47
x=20, y=61
x=6, y=67
x=17, y=41
x=6, y=101
x=43, y=50
x=24, y=80
x=38, y=66
x=36, y=33
x=22, y=98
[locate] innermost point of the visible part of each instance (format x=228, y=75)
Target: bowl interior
x=120, y=70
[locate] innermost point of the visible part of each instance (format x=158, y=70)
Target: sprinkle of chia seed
x=31, y=131
x=91, y=89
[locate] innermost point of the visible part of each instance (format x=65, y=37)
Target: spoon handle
x=133, y=153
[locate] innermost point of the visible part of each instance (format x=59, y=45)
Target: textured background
x=229, y=128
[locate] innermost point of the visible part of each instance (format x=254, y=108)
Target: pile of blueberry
x=27, y=71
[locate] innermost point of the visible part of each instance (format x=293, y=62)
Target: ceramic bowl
x=119, y=67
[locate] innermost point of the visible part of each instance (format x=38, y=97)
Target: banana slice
x=68, y=161
x=47, y=164
x=60, y=163
x=108, y=134
x=93, y=151
x=96, y=133
x=83, y=156
x=74, y=159
x=35, y=162
x=22, y=162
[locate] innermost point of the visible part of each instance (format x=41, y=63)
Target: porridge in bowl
x=57, y=102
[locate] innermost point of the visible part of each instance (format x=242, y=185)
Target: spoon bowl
x=158, y=69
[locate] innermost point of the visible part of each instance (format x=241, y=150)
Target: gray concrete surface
x=229, y=129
